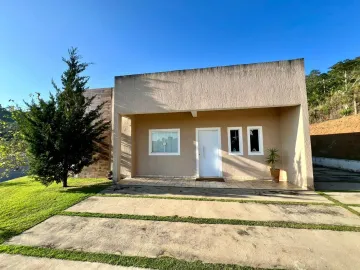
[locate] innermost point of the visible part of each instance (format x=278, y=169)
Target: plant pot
x=275, y=174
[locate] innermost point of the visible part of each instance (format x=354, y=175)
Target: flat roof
x=209, y=68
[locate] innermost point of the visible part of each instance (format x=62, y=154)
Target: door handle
x=204, y=151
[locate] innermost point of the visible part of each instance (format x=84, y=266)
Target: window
x=235, y=141
x=164, y=142
x=255, y=141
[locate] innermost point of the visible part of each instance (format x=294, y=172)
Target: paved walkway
x=244, y=245
x=322, y=174
x=337, y=186
x=219, y=210
x=346, y=197
x=356, y=208
x=256, y=246
x=234, y=184
x=329, y=179
x=220, y=193
x=20, y=262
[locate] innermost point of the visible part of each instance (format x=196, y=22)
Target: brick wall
x=101, y=168
x=340, y=146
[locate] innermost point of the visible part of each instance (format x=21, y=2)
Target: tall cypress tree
x=63, y=134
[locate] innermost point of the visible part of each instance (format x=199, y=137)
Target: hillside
x=5, y=115
x=348, y=124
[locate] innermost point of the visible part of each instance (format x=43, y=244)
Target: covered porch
x=139, y=160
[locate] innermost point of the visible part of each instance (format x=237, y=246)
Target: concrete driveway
x=317, y=214
x=256, y=246
x=140, y=233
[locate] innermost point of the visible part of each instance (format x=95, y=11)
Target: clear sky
x=137, y=36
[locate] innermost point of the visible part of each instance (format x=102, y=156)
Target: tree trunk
x=65, y=173
x=355, y=104
x=64, y=181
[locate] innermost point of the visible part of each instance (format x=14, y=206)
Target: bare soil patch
x=348, y=124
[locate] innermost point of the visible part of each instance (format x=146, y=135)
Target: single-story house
x=212, y=122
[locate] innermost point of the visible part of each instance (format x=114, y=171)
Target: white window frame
x=261, y=141
x=241, y=145
x=164, y=154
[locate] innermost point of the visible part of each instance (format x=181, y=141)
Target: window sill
x=255, y=153
x=164, y=154
x=235, y=154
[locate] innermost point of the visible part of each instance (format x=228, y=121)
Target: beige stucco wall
x=295, y=147
x=271, y=84
x=242, y=167
x=262, y=85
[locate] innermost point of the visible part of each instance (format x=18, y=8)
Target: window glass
x=164, y=141
x=235, y=144
x=234, y=141
x=254, y=140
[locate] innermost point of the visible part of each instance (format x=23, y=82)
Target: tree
x=63, y=134
x=317, y=86
x=334, y=93
x=346, y=78
x=12, y=146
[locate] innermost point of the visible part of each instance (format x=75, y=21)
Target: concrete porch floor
x=191, y=183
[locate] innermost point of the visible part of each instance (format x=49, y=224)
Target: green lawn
x=24, y=202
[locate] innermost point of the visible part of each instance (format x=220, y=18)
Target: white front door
x=208, y=152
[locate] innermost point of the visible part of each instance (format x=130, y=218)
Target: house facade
x=213, y=122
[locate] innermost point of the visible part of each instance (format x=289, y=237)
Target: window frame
x=162, y=153
x=241, y=144
x=261, y=141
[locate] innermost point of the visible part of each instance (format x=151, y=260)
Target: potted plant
x=272, y=158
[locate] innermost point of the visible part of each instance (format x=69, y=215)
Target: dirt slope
x=348, y=124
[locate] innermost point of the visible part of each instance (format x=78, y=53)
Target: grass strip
x=276, y=224
x=336, y=202
x=213, y=199
x=113, y=259
x=25, y=202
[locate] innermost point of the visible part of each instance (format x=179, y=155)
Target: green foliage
x=335, y=93
x=25, y=203
x=5, y=114
x=12, y=146
x=63, y=134
x=273, y=157
x=318, y=87
x=346, y=111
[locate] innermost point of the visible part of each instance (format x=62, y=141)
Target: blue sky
x=137, y=36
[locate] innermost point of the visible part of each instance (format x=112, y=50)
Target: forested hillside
x=335, y=93
x=5, y=114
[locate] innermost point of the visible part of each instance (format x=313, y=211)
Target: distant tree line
x=335, y=93
x=12, y=144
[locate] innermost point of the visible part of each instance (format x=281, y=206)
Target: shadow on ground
x=87, y=189
x=208, y=192
x=329, y=179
